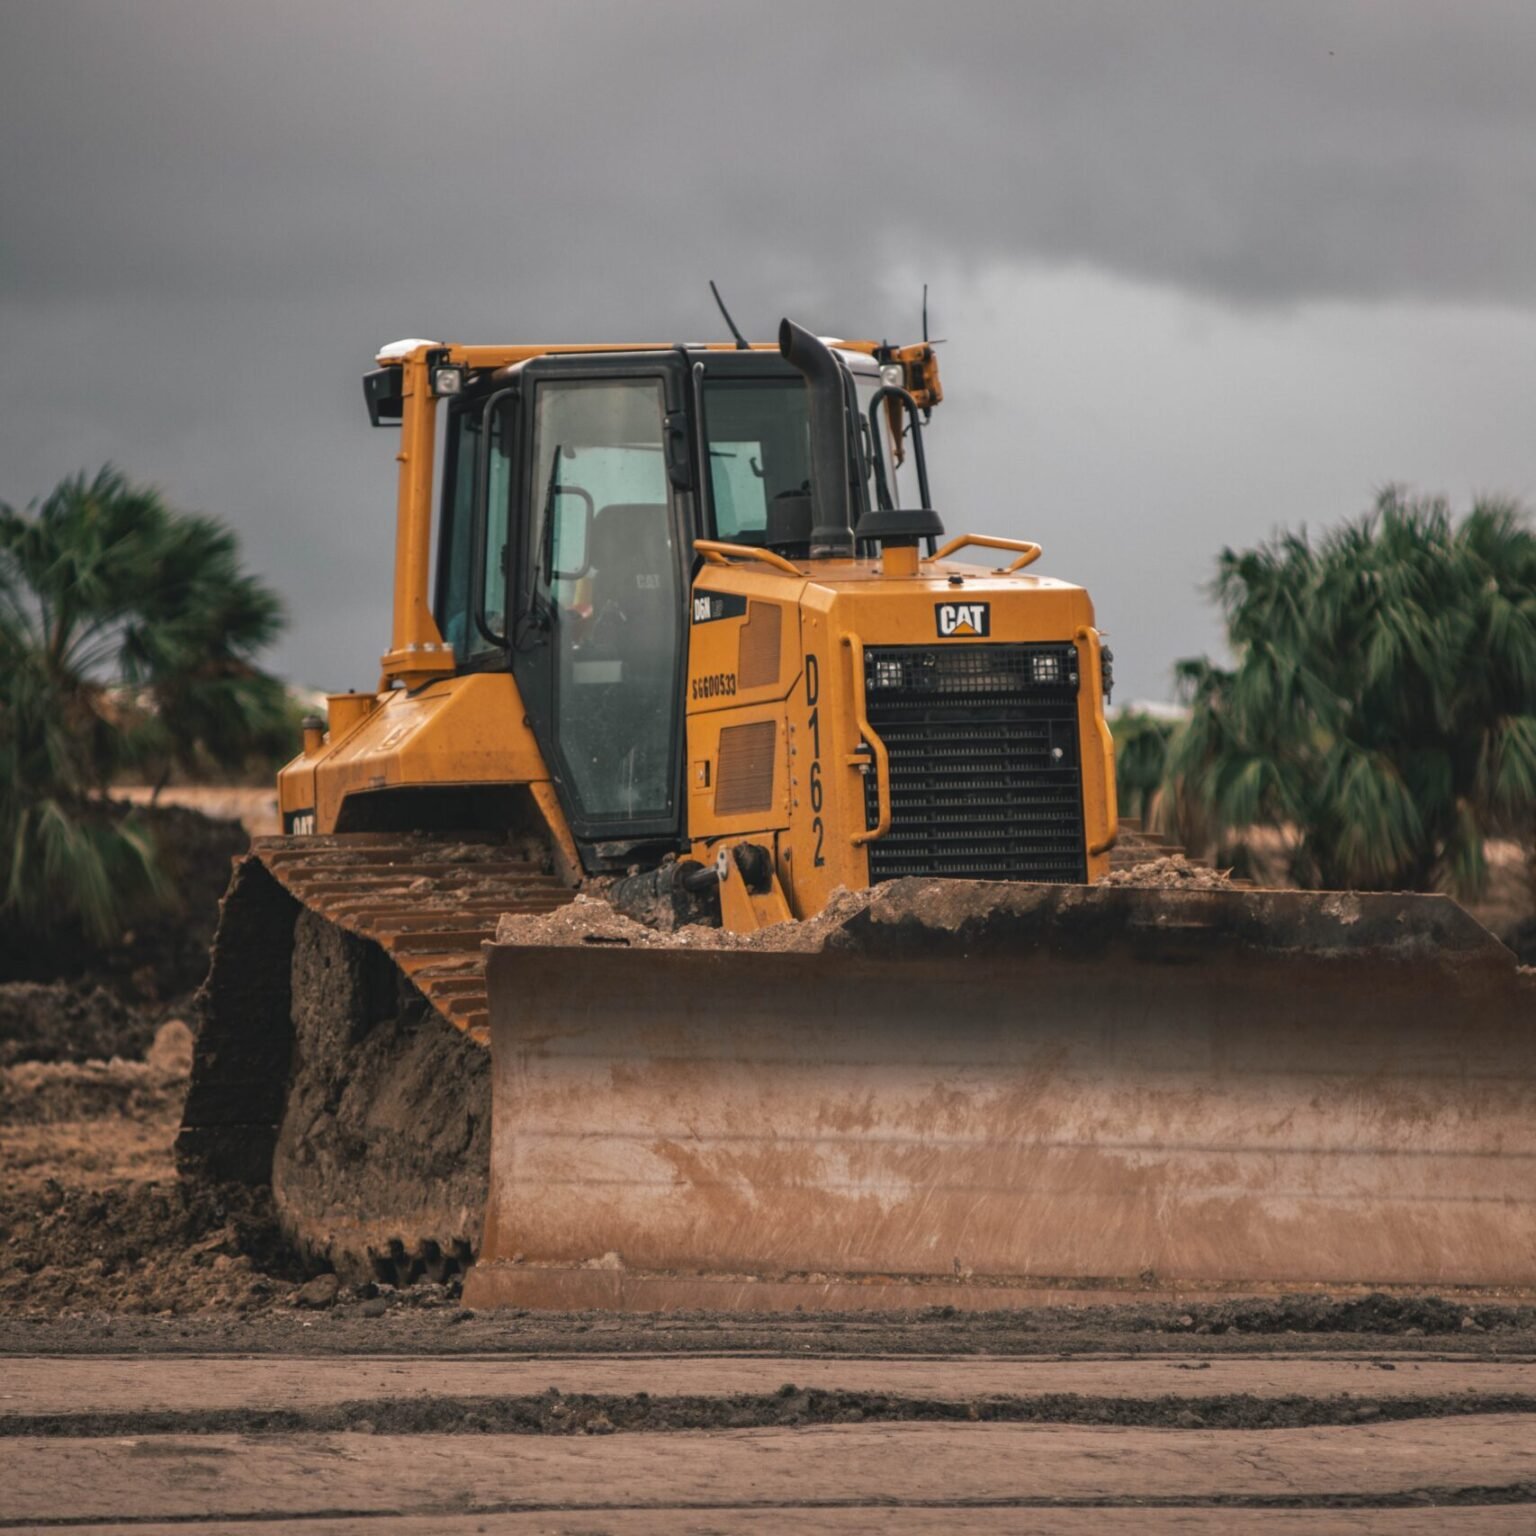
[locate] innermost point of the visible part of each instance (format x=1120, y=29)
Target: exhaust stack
x=832, y=530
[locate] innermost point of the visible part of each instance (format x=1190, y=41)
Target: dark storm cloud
x=212, y=214
x=1265, y=153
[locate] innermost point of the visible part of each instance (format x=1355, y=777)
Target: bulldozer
x=693, y=636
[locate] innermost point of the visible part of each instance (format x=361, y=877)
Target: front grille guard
x=971, y=758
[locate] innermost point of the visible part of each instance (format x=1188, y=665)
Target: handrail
x=1088, y=641
x=1028, y=552
x=876, y=746
x=719, y=553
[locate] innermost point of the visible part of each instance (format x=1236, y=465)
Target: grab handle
x=1027, y=552
x=875, y=745
x=719, y=553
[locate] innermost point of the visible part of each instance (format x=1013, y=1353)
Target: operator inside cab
x=570, y=508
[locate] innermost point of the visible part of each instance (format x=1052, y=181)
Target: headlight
x=447, y=381
x=893, y=375
x=1045, y=668
x=886, y=674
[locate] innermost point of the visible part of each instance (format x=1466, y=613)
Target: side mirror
x=570, y=533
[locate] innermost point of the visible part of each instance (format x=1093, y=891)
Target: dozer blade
x=990, y=1095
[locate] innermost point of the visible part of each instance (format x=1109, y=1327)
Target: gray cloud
x=1264, y=153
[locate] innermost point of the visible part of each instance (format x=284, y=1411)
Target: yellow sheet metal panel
x=830, y=610
x=459, y=730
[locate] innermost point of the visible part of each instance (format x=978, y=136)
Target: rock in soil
x=319, y=1292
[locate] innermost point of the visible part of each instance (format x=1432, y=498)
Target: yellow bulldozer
x=694, y=636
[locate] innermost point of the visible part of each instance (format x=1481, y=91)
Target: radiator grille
x=986, y=779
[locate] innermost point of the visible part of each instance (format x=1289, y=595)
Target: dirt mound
x=1377, y=1313
x=163, y=952
x=137, y=1248
x=53, y=1092
x=590, y=920
x=1172, y=872
x=91, y=1214
x=69, y=1022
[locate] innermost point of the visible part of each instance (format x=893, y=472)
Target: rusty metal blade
x=969, y=1090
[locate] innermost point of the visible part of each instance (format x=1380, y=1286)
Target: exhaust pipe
x=832, y=531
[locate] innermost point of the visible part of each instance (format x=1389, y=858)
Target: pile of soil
x=61, y=1021
x=161, y=956
x=1172, y=872
x=135, y=1247
x=91, y=1213
x=590, y=920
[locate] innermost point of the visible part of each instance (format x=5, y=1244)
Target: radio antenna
x=742, y=344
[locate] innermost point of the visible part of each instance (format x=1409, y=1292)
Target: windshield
x=760, y=449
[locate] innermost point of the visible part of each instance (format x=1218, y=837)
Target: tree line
x=1379, y=707
x=128, y=637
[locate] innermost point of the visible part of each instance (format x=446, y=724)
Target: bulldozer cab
x=574, y=489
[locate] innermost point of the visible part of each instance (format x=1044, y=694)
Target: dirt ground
x=168, y=1364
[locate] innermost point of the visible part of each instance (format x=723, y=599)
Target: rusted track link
x=427, y=900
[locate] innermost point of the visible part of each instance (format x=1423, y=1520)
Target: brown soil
x=1173, y=872
x=161, y=957
x=553, y=1412
x=66, y=1021
x=253, y=806
x=91, y=1213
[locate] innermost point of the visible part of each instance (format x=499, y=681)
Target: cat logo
x=970, y=620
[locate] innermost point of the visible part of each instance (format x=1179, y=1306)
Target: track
x=428, y=902
x=323, y=1068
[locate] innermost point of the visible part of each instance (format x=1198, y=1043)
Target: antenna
x=937, y=340
x=742, y=345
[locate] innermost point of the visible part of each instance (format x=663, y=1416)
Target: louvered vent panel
x=744, y=781
x=757, y=657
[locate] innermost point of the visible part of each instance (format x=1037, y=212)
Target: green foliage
x=1383, y=700
x=1141, y=762
x=126, y=636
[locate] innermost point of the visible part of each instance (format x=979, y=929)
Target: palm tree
x=126, y=636
x=1382, y=704
x=1141, y=762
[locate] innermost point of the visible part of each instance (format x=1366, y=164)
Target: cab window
x=607, y=589
x=759, y=448
x=454, y=609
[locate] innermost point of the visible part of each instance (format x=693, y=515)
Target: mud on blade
x=969, y=1090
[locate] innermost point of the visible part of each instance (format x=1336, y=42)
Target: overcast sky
x=1203, y=269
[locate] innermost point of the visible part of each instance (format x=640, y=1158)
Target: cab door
x=597, y=642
